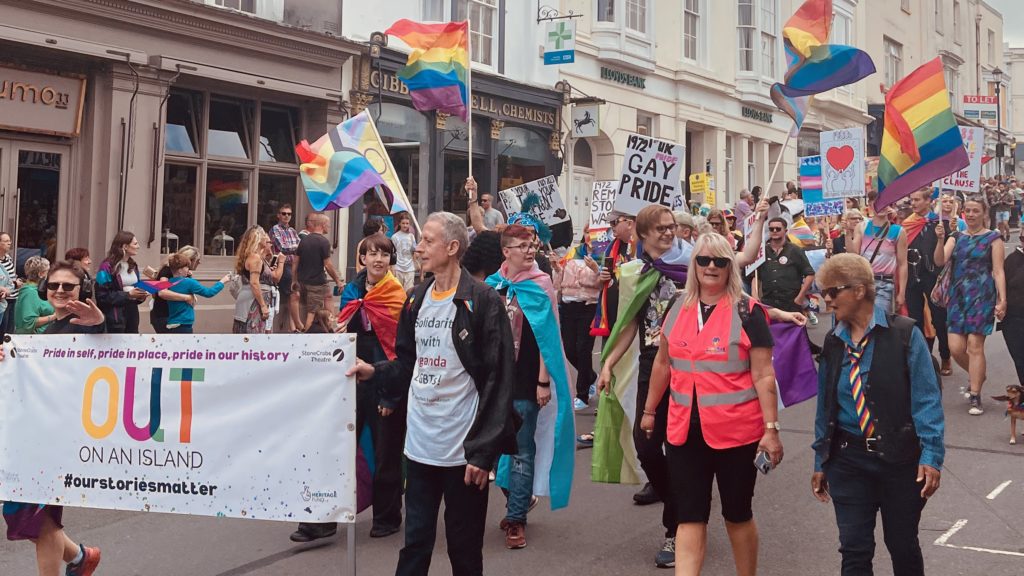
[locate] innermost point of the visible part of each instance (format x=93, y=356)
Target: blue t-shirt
x=182, y=313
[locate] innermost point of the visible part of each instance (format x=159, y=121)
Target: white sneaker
x=578, y=404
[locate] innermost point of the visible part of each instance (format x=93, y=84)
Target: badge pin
x=784, y=260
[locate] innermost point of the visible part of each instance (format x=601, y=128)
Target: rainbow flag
x=228, y=193
x=921, y=142
x=343, y=164
x=813, y=65
x=438, y=66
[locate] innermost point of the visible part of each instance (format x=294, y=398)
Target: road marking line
x=986, y=550
x=941, y=540
x=993, y=494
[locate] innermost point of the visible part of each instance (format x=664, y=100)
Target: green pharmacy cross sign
x=560, y=42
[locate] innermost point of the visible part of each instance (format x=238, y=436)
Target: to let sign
x=977, y=107
x=41, y=103
x=650, y=174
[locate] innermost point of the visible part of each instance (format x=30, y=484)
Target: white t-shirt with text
x=404, y=243
x=442, y=396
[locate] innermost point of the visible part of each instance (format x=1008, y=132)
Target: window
x=842, y=32
x=938, y=16
x=728, y=165
x=691, y=27
x=905, y=6
x=956, y=20
x=952, y=77
x=893, y=61
x=751, y=166
x=433, y=10
x=483, y=21
x=991, y=48
x=215, y=186
x=644, y=124
x=240, y=5
x=636, y=15
x=606, y=10
x=757, y=27
x=747, y=29
x=768, y=38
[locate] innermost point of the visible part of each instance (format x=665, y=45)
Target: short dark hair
x=377, y=242
x=371, y=227
x=283, y=206
x=76, y=254
x=780, y=220
x=57, y=267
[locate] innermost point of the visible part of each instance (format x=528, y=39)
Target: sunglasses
x=775, y=229
x=285, y=213
x=720, y=262
x=834, y=291
x=65, y=286
x=715, y=223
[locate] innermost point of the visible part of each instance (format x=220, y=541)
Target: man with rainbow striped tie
x=879, y=426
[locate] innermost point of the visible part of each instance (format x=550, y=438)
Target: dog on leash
x=1014, y=399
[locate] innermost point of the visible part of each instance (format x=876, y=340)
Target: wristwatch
x=773, y=426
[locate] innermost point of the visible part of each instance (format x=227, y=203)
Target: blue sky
x=1013, y=20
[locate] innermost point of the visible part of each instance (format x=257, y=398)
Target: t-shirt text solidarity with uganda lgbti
x=646, y=175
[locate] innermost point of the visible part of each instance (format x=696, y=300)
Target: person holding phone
x=181, y=314
x=877, y=440
x=715, y=357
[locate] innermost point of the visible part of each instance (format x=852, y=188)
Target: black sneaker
x=646, y=496
x=666, y=557
x=310, y=531
x=382, y=531
x=975, y=409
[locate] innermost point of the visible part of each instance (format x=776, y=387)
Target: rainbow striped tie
x=864, y=419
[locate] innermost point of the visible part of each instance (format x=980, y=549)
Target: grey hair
x=744, y=193
x=454, y=230
x=36, y=268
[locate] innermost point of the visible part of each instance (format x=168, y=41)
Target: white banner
x=601, y=203
x=968, y=179
x=551, y=209
x=253, y=426
x=748, y=234
x=842, y=163
x=650, y=174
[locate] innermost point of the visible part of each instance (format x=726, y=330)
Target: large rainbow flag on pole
x=343, y=164
x=921, y=142
x=437, y=70
x=814, y=66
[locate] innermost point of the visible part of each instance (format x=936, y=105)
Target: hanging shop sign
x=39, y=102
x=560, y=42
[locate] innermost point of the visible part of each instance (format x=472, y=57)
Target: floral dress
x=972, y=295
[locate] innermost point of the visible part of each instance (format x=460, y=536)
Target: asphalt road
x=974, y=525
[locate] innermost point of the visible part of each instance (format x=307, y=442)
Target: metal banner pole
x=469, y=93
x=350, y=549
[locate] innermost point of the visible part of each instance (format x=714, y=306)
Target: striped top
x=8, y=263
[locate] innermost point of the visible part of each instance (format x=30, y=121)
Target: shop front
x=515, y=137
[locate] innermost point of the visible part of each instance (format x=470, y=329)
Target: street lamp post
x=997, y=76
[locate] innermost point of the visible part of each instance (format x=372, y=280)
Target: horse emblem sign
x=586, y=120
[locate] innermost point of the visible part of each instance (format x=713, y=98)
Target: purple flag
x=794, y=366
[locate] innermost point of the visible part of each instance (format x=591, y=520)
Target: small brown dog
x=1014, y=399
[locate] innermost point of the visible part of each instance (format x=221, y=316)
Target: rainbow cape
x=438, y=65
x=915, y=224
x=343, y=164
x=555, y=435
x=381, y=306
x=618, y=253
x=922, y=142
x=813, y=65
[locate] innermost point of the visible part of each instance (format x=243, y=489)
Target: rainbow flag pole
x=469, y=95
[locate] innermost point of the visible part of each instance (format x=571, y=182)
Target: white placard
x=650, y=174
x=968, y=179
x=586, y=120
x=842, y=163
x=551, y=209
x=601, y=203
x=748, y=234
x=244, y=426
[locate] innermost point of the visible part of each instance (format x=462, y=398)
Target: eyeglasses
x=720, y=262
x=285, y=213
x=65, y=286
x=620, y=221
x=775, y=229
x=834, y=291
x=668, y=228
x=524, y=248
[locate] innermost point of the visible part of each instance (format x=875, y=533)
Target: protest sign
x=551, y=209
x=200, y=424
x=826, y=208
x=748, y=227
x=968, y=179
x=842, y=163
x=650, y=174
x=601, y=203
x=815, y=204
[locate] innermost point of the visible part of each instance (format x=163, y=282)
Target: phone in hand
x=273, y=260
x=762, y=462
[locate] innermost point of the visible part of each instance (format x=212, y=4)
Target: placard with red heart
x=840, y=158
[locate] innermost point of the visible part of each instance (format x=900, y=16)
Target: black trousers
x=7, y=322
x=388, y=433
x=862, y=485
x=917, y=294
x=465, y=514
x=1013, y=335
x=576, y=318
x=651, y=451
